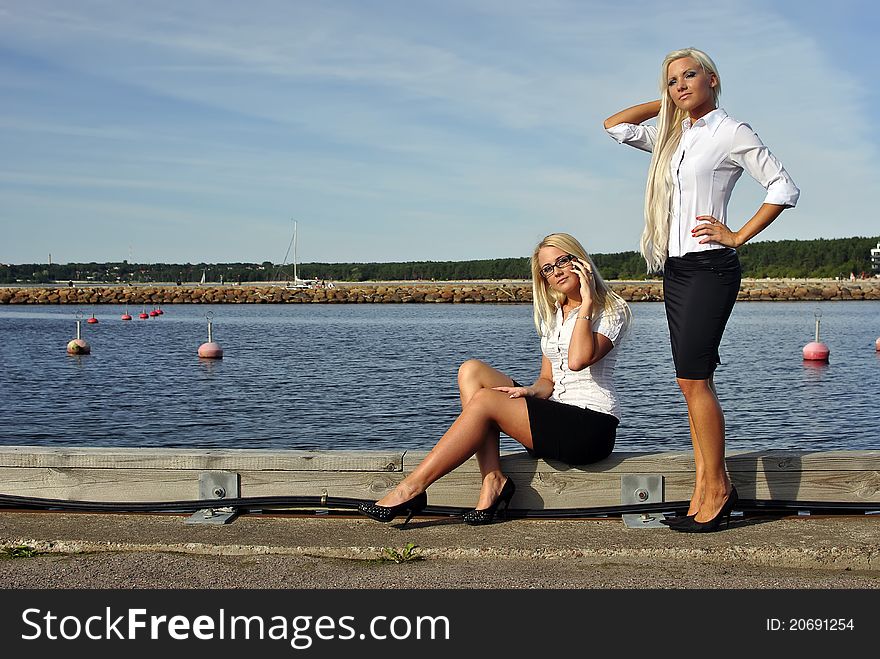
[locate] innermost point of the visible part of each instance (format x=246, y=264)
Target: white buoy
x=78, y=346
x=816, y=350
x=211, y=349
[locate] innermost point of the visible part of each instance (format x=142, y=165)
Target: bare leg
x=697, y=496
x=474, y=375
x=707, y=421
x=486, y=411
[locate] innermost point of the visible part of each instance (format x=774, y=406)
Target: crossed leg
x=485, y=414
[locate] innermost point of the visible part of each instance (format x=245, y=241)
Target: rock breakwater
x=402, y=293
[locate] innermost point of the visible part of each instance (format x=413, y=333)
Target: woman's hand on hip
x=714, y=231
x=515, y=392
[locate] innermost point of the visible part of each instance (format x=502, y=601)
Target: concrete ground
x=77, y=550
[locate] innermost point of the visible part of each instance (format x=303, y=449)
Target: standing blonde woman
x=698, y=154
x=570, y=413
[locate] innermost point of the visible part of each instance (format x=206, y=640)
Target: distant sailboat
x=297, y=282
x=202, y=281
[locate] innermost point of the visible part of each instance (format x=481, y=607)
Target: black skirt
x=699, y=291
x=571, y=434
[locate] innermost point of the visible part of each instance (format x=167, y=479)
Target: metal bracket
x=641, y=488
x=324, y=510
x=218, y=485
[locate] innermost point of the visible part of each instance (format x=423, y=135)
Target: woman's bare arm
x=634, y=115
x=541, y=388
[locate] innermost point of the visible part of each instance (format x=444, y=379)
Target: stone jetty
x=408, y=292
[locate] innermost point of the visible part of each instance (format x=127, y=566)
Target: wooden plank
x=621, y=462
x=149, y=485
x=390, y=461
x=202, y=459
x=539, y=489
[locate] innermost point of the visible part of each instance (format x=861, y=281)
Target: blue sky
x=189, y=131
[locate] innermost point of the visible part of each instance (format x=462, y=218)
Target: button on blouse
x=711, y=156
x=593, y=386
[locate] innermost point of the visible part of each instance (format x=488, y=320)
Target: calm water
x=384, y=376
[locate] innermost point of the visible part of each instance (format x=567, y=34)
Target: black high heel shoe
x=693, y=526
x=477, y=517
x=677, y=521
x=387, y=513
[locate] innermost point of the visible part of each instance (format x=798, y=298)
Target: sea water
x=348, y=376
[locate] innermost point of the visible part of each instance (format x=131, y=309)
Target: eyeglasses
x=563, y=263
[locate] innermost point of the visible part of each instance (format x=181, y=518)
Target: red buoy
x=125, y=316
x=816, y=350
x=159, y=311
x=154, y=313
x=142, y=315
x=211, y=349
x=92, y=320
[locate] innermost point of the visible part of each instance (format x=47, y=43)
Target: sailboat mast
x=295, y=276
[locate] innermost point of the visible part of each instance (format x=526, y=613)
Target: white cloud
x=437, y=116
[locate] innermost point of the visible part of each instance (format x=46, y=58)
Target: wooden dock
x=154, y=474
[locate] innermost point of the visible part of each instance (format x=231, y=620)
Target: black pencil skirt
x=574, y=435
x=699, y=290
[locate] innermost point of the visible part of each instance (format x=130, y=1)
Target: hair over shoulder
x=658, y=191
x=544, y=298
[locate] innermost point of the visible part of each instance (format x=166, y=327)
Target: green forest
x=821, y=258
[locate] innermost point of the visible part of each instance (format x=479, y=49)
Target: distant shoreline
x=501, y=291
x=409, y=282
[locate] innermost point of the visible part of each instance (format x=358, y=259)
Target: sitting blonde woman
x=569, y=413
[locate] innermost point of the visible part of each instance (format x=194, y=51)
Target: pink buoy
x=816, y=350
x=211, y=349
x=877, y=345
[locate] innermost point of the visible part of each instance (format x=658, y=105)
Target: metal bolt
x=209, y=513
x=642, y=495
x=219, y=492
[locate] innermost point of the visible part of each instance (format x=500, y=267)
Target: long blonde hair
x=544, y=298
x=658, y=191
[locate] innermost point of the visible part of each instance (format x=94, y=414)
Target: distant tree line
x=836, y=257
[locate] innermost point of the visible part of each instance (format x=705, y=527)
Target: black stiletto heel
x=677, y=521
x=387, y=513
x=477, y=517
x=714, y=524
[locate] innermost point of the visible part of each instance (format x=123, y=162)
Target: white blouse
x=711, y=156
x=593, y=386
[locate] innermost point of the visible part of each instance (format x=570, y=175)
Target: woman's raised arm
x=634, y=115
